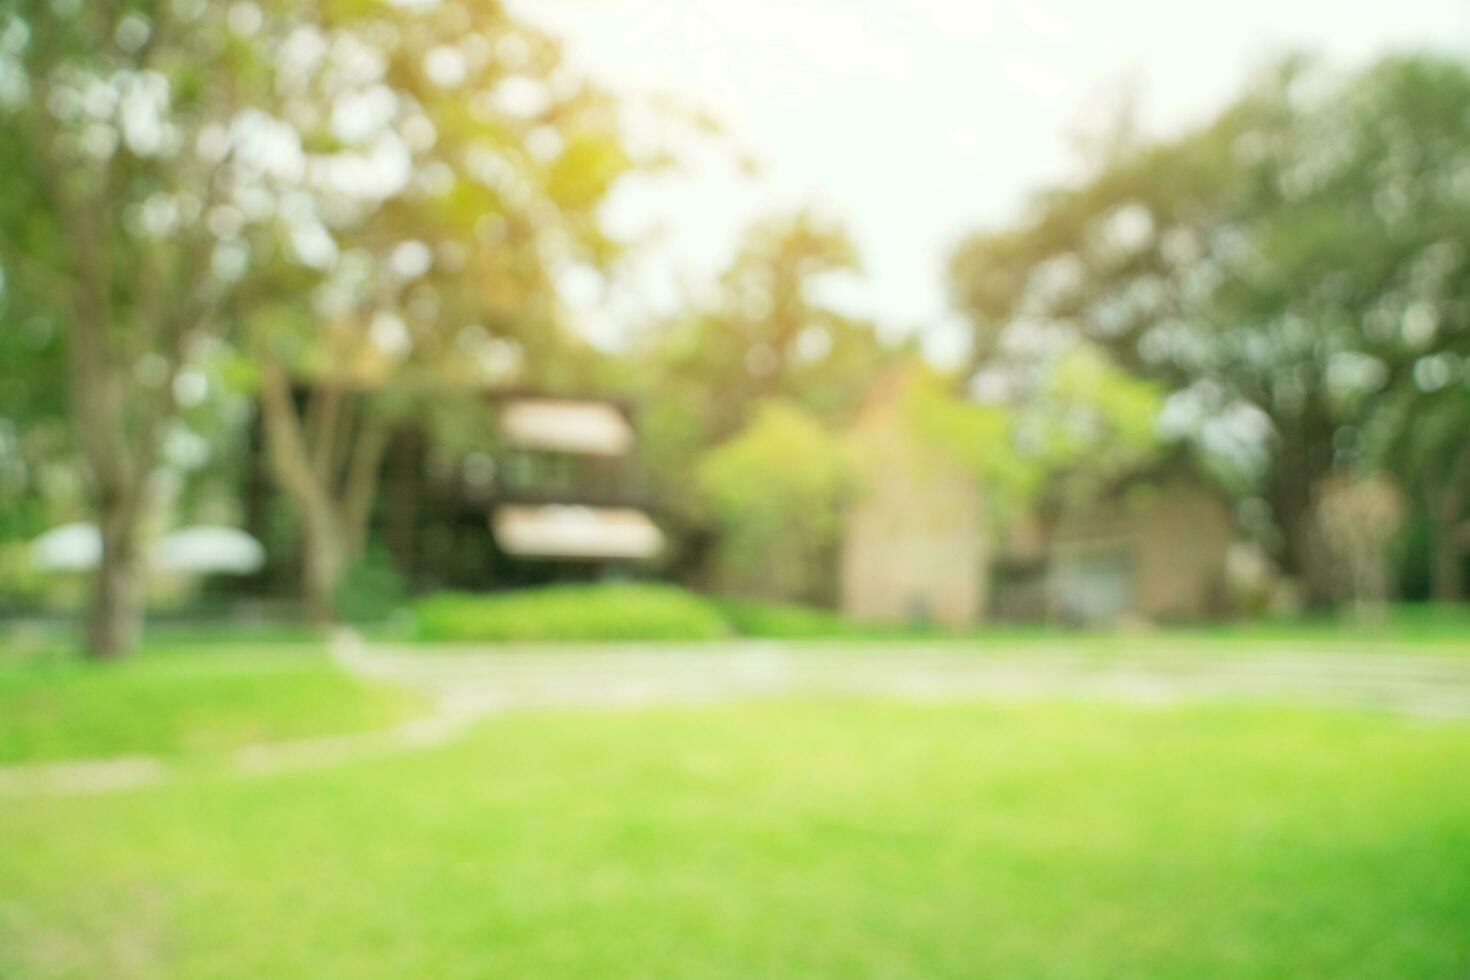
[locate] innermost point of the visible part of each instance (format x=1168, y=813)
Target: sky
x=916, y=121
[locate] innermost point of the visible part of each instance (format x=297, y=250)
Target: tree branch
x=363, y=473
x=286, y=446
x=322, y=428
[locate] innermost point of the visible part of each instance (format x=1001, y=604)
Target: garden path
x=466, y=683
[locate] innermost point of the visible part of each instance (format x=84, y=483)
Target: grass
x=1408, y=623
x=777, y=620
x=175, y=700
x=607, y=612
x=622, y=611
x=61, y=639
x=793, y=840
x=649, y=611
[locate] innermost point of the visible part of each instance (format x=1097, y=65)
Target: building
x=915, y=544
x=1153, y=547
x=565, y=480
x=920, y=545
x=532, y=490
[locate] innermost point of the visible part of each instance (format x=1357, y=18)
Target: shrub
x=1359, y=517
x=751, y=617
x=777, y=490
x=371, y=590
x=610, y=611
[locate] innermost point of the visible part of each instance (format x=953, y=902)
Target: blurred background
x=910, y=317
x=900, y=489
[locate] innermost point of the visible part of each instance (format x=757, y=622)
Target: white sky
x=917, y=120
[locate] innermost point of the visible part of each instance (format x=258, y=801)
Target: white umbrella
x=68, y=548
x=207, y=550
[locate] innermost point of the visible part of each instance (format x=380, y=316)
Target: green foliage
x=203, y=700
x=586, y=169
x=1090, y=422
x=750, y=617
x=339, y=191
x=1099, y=401
x=23, y=586
x=622, y=611
x=1291, y=273
x=980, y=438
x=777, y=491
x=606, y=612
x=806, y=840
x=765, y=334
x=371, y=590
x=1094, y=422
x=787, y=621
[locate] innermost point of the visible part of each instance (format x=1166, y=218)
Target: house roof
x=582, y=426
x=559, y=531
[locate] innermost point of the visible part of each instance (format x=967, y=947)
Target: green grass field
x=802, y=839
x=780, y=840
x=179, y=697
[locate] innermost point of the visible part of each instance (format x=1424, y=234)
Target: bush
x=371, y=590
x=625, y=611
x=613, y=611
x=750, y=617
x=777, y=490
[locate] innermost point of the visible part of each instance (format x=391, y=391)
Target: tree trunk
x=1447, y=574
x=1302, y=548
x=402, y=498
x=115, y=618
x=1447, y=566
x=116, y=421
x=360, y=486
x=321, y=567
x=330, y=528
x=1302, y=461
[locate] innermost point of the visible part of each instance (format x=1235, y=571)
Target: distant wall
x=1180, y=554
x=914, y=548
x=1152, y=551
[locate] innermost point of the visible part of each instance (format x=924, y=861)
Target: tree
x=446, y=283
x=765, y=333
x=777, y=490
x=1359, y=516
x=122, y=153
x=330, y=185
x=33, y=440
x=768, y=332
x=1071, y=425
x=1418, y=432
x=1278, y=269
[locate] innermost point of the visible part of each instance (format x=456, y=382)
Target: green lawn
x=781, y=840
x=1404, y=623
x=577, y=613
x=179, y=698
x=650, y=611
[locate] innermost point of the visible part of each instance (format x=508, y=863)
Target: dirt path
x=465, y=684
x=468, y=680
